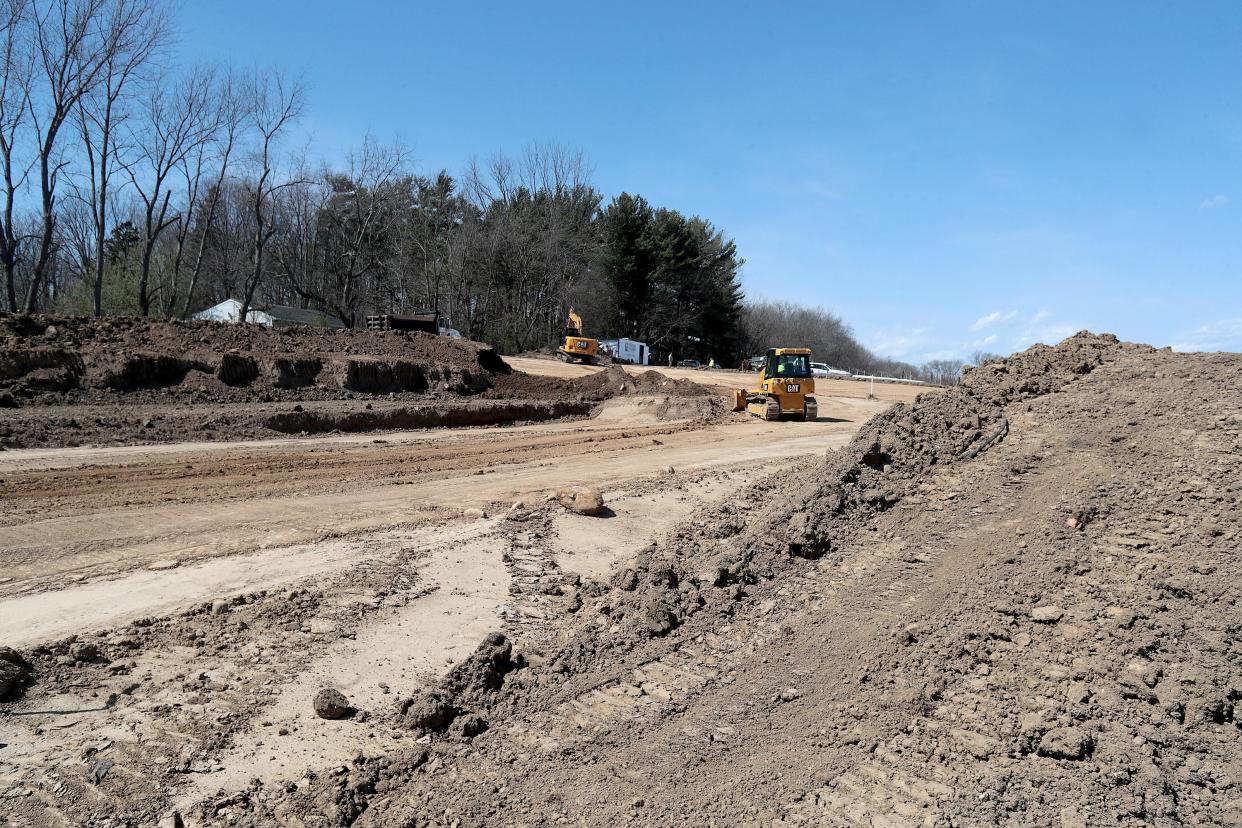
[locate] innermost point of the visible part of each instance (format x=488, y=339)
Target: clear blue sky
x=944, y=176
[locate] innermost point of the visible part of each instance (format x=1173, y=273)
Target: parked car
x=821, y=369
x=689, y=363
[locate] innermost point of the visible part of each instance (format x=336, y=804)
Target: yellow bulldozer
x=577, y=348
x=784, y=388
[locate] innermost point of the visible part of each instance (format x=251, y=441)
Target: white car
x=820, y=369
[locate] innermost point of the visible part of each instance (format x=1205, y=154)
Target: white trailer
x=626, y=350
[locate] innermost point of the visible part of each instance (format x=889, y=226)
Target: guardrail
x=888, y=379
x=871, y=388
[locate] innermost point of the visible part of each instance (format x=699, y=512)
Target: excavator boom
x=577, y=348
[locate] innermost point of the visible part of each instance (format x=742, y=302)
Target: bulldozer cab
x=787, y=363
x=573, y=325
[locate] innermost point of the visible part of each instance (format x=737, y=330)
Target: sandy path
x=726, y=379
x=183, y=503
x=372, y=527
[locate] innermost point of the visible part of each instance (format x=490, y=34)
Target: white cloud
x=943, y=353
x=1020, y=330
x=999, y=331
x=1225, y=335
x=1215, y=201
x=900, y=344
x=993, y=318
x=1047, y=334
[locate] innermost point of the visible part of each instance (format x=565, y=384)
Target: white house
x=629, y=350
x=273, y=316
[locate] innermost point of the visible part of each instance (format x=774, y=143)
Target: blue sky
x=945, y=176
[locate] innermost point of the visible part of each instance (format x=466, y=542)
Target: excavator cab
x=785, y=388
x=577, y=348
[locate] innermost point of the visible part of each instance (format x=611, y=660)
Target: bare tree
x=944, y=371
x=275, y=103
x=980, y=357
x=178, y=119
x=536, y=242
x=75, y=43
x=356, y=231
x=231, y=115
x=15, y=76
x=138, y=28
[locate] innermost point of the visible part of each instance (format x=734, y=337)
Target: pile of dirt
x=613, y=381
x=73, y=381
x=1010, y=603
x=54, y=360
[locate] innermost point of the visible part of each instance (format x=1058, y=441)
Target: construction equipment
x=426, y=321
x=577, y=348
x=784, y=389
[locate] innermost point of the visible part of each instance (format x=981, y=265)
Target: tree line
x=132, y=185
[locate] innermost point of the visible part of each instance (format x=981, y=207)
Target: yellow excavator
x=784, y=389
x=577, y=348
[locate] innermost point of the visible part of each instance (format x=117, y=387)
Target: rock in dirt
x=14, y=671
x=331, y=704
x=87, y=653
x=429, y=711
x=1047, y=615
x=581, y=499
x=474, y=514
x=1065, y=743
x=471, y=684
x=468, y=726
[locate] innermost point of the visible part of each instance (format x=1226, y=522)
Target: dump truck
x=577, y=348
x=784, y=389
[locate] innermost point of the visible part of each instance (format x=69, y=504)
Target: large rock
x=429, y=710
x=87, y=652
x=581, y=499
x=1065, y=743
x=1047, y=615
x=331, y=704
x=14, y=670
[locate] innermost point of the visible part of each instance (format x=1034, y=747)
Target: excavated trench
x=475, y=413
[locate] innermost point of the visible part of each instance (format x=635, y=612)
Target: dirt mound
x=71, y=381
x=55, y=359
x=1009, y=603
x=613, y=381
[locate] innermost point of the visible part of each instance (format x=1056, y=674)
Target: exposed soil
x=222, y=586
x=73, y=381
x=1012, y=603
x=81, y=359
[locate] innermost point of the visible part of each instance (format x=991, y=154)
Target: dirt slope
x=1010, y=604
x=1014, y=603
x=180, y=605
x=74, y=381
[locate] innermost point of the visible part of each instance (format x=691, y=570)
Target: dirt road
x=86, y=513
x=255, y=573
x=726, y=379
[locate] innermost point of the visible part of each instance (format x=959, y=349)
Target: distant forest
x=132, y=185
